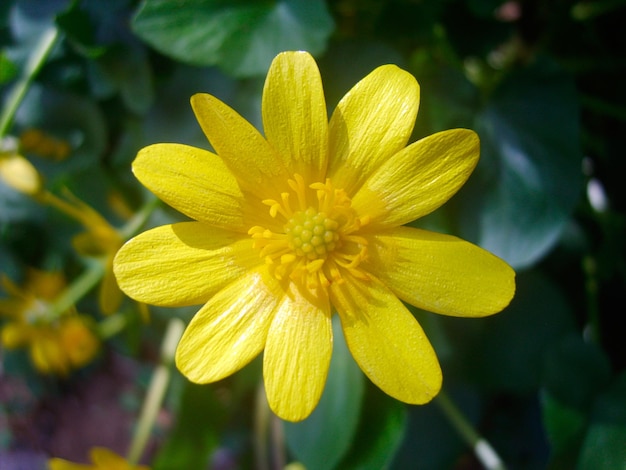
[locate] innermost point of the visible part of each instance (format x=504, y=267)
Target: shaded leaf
x=528, y=180
x=381, y=430
x=323, y=438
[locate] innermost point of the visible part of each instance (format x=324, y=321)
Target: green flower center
x=319, y=243
x=312, y=234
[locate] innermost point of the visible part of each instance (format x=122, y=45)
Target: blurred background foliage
x=542, y=84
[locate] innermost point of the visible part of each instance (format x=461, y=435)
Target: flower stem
x=78, y=288
x=40, y=54
x=592, y=329
x=139, y=219
x=482, y=449
x=261, y=424
x=156, y=390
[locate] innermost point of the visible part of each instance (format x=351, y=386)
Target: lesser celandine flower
x=101, y=458
x=307, y=220
x=56, y=345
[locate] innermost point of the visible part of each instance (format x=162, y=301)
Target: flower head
x=55, y=345
x=101, y=458
x=305, y=220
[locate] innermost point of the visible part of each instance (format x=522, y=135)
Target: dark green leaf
x=529, y=179
x=194, y=437
x=575, y=371
x=241, y=37
x=603, y=447
x=380, y=432
x=506, y=351
x=323, y=438
x=80, y=30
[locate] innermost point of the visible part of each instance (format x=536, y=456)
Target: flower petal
x=294, y=114
x=418, y=179
x=110, y=296
x=182, y=264
x=441, y=273
x=386, y=341
x=245, y=151
x=230, y=330
x=372, y=122
x=297, y=356
x=193, y=181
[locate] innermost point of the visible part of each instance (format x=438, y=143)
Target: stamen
x=320, y=243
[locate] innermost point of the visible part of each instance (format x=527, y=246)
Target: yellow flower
x=307, y=220
x=101, y=458
x=99, y=240
x=56, y=345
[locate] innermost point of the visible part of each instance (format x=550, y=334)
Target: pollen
x=312, y=234
x=319, y=243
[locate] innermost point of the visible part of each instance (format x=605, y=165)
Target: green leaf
x=241, y=37
x=528, y=181
x=575, y=371
x=71, y=118
x=380, y=433
x=194, y=436
x=506, y=351
x=603, y=447
x=80, y=30
x=565, y=426
x=323, y=438
x=8, y=70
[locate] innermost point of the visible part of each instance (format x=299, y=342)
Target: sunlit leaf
x=241, y=37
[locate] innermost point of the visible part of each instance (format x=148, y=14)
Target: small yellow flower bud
x=18, y=173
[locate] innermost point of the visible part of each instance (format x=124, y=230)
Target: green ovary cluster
x=312, y=234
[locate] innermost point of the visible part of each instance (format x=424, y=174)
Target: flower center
x=319, y=243
x=312, y=234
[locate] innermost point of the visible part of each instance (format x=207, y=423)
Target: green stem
x=261, y=424
x=78, y=288
x=156, y=390
x=591, y=288
x=139, y=219
x=34, y=64
x=482, y=449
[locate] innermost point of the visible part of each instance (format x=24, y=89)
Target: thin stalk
x=78, y=288
x=261, y=424
x=35, y=62
x=278, y=443
x=482, y=449
x=592, y=331
x=156, y=390
x=139, y=219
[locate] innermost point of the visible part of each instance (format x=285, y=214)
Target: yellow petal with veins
x=441, y=273
x=182, y=264
x=230, y=330
x=386, y=341
x=418, y=179
x=294, y=116
x=297, y=355
x=372, y=122
x=253, y=161
x=193, y=181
